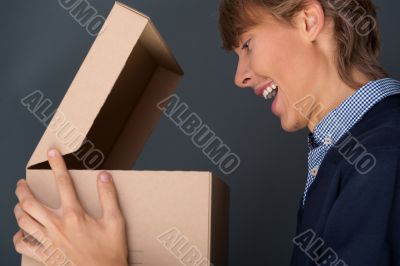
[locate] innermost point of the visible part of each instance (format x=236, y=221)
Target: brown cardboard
x=109, y=112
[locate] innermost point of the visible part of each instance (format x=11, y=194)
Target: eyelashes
x=246, y=45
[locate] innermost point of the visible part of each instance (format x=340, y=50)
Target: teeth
x=265, y=94
x=270, y=91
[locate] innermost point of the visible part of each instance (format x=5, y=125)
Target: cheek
x=282, y=56
x=288, y=60
x=295, y=73
x=261, y=62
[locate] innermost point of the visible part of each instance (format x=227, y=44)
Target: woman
x=318, y=60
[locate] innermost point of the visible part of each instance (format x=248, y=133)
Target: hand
x=68, y=235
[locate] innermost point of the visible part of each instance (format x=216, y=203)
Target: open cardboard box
x=103, y=122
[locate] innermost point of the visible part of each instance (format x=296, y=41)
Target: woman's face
x=273, y=51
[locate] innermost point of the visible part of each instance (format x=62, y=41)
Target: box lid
x=110, y=109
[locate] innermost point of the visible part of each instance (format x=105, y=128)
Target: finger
x=64, y=182
x=30, y=204
x=26, y=222
x=108, y=196
x=25, y=246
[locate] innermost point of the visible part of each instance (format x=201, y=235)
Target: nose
x=243, y=76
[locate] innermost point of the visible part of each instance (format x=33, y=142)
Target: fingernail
x=53, y=153
x=105, y=177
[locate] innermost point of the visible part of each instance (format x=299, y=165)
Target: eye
x=246, y=44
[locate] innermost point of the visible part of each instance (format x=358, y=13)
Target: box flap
x=110, y=108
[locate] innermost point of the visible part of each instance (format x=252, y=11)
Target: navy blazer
x=353, y=217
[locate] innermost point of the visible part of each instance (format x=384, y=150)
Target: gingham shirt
x=340, y=120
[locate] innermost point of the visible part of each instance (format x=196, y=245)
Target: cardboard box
x=103, y=122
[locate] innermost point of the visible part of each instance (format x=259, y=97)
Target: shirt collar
x=349, y=112
x=311, y=141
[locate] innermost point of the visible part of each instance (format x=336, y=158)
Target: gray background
x=42, y=47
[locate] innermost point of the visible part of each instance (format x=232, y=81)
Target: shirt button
x=314, y=171
x=328, y=141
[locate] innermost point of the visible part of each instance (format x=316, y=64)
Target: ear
x=312, y=20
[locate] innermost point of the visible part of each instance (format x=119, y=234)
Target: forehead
x=267, y=26
x=234, y=23
x=238, y=17
x=260, y=24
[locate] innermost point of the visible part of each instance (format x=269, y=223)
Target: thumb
x=108, y=195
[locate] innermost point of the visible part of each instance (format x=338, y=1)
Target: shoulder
x=379, y=129
x=372, y=146
x=375, y=171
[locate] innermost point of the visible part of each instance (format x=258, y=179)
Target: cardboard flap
x=110, y=109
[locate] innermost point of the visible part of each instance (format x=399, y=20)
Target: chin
x=290, y=126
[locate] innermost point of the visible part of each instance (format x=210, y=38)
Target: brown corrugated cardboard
x=103, y=122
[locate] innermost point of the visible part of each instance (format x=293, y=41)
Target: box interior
x=129, y=114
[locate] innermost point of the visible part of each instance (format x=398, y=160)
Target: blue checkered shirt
x=340, y=120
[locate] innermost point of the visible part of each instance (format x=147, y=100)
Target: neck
x=335, y=91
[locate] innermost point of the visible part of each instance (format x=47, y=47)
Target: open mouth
x=268, y=91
